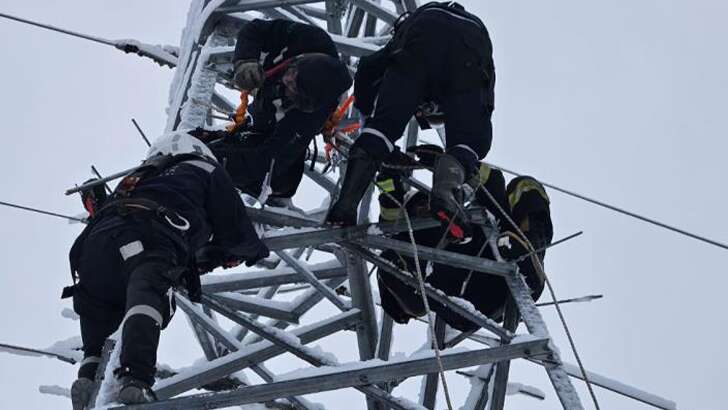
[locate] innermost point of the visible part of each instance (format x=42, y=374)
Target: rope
x=537, y=263
x=555, y=301
x=240, y=113
x=421, y=284
x=331, y=124
x=423, y=294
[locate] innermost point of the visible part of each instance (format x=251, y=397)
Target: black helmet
x=315, y=80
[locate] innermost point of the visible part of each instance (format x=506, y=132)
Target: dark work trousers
x=440, y=60
x=248, y=165
x=127, y=268
x=486, y=292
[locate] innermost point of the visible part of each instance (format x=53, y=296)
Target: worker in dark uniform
x=441, y=55
x=174, y=218
x=298, y=79
x=487, y=293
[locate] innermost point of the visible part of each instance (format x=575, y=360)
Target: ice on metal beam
x=357, y=374
x=440, y=256
x=376, y=10
x=254, y=353
x=262, y=307
x=253, y=280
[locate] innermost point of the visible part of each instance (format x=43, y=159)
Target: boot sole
x=81, y=391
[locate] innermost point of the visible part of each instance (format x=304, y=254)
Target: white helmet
x=179, y=142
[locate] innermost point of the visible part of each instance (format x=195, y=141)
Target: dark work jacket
x=487, y=293
x=286, y=131
x=201, y=191
x=198, y=190
x=451, y=45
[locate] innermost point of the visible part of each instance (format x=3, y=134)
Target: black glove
x=427, y=153
x=210, y=257
x=208, y=136
x=261, y=252
x=248, y=74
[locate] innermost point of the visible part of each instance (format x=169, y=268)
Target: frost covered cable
x=431, y=326
x=423, y=293
x=60, y=30
x=555, y=301
x=70, y=218
x=624, y=212
x=31, y=351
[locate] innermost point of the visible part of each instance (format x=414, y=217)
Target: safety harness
x=121, y=204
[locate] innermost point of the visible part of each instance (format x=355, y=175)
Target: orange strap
x=335, y=118
x=350, y=128
x=240, y=112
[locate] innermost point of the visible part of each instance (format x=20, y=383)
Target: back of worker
x=524, y=202
x=440, y=54
x=294, y=72
x=140, y=244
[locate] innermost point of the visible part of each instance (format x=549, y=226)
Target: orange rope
x=240, y=112
x=335, y=118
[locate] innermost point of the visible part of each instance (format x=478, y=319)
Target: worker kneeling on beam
x=294, y=72
x=527, y=204
x=174, y=218
x=440, y=54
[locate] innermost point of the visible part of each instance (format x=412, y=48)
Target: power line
x=552, y=244
x=40, y=211
x=623, y=211
x=60, y=30
x=587, y=298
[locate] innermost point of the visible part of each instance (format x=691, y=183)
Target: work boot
x=81, y=391
x=135, y=391
x=446, y=199
x=360, y=171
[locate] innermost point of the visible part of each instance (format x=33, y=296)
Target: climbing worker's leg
x=400, y=92
x=150, y=304
x=468, y=130
x=98, y=299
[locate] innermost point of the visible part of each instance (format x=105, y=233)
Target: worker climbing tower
x=259, y=302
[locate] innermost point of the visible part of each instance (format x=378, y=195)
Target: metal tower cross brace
x=203, y=62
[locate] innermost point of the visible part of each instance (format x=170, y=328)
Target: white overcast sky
x=621, y=100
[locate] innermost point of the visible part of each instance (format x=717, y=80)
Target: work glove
x=208, y=136
x=248, y=74
x=260, y=253
x=210, y=257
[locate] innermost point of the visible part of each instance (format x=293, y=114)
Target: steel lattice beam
x=337, y=379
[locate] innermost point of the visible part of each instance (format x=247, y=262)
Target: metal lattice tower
x=203, y=62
